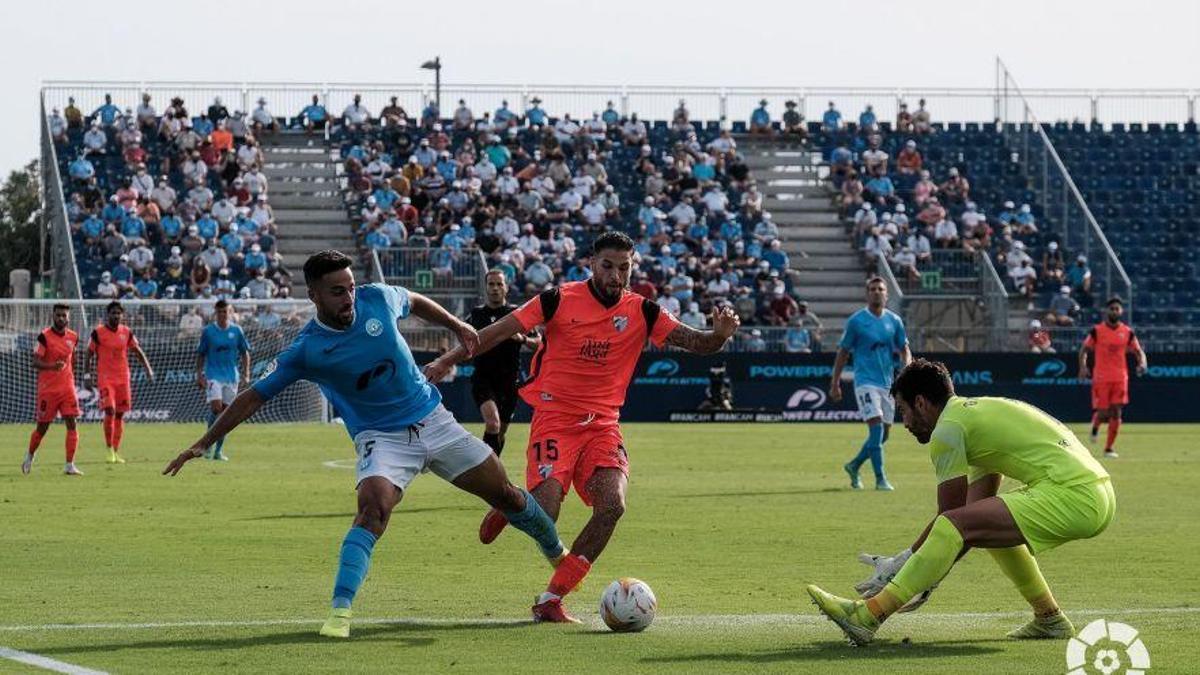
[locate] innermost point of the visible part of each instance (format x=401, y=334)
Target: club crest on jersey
x=374, y=327
x=620, y=322
x=544, y=470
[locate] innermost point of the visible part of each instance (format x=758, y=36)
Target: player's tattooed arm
x=725, y=324
x=504, y=329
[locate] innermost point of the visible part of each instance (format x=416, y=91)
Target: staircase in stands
x=830, y=270
x=302, y=174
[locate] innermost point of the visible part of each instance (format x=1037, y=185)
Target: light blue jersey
x=873, y=341
x=221, y=348
x=366, y=371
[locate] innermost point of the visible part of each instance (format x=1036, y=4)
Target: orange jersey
x=1110, y=345
x=111, y=348
x=590, y=348
x=52, y=347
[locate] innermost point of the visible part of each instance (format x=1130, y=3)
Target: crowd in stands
x=531, y=191
x=900, y=205
x=170, y=204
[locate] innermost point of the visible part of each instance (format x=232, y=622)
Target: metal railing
x=710, y=103
x=995, y=297
x=54, y=220
x=1057, y=195
x=895, y=293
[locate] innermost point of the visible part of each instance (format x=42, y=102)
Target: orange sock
x=35, y=439
x=108, y=430
x=72, y=444
x=1114, y=426
x=117, y=432
x=569, y=574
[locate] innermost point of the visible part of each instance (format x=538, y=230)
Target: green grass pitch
x=229, y=566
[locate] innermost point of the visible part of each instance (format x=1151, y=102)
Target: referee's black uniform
x=497, y=372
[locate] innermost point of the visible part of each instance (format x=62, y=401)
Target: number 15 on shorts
x=364, y=451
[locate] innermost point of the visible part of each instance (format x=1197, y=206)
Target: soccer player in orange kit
x=595, y=331
x=54, y=358
x=1110, y=340
x=109, y=348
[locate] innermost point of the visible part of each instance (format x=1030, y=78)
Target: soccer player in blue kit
x=354, y=352
x=874, y=335
x=222, y=346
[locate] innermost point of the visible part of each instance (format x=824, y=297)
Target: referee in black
x=497, y=371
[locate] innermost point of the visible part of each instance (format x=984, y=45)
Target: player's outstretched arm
x=246, y=404
x=432, y=312
x=141, y=356
x=503, y=329
x=1083, y=366
x=725, y=324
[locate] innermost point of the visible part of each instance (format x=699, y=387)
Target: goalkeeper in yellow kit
x=973, y=442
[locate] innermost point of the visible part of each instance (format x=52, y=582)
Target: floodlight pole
x=436, y=66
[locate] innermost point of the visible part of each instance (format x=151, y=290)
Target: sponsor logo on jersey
x=595, y=351
x=620, y=322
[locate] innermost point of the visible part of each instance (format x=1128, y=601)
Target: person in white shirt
x=723, y=144
x=946, y=234
x=544, y=185
x=669, y=303
x=865, y=219
x=142, y=182
x=256, y=182
x=715, y=200
x=263, y=119
x=633, y=131
x=583, y=183
x=766, y=230
x=262, y=213
x=508, y=230
x=58, y=126
x=1017, y=256
x=507, y=184
x=147, y=117
x=718, y=288
x=163, y=194
x=610, y=200
x=900, y=217
x=683, y=213
x=487, y=171
x=596, y=128
x=875, y=245
x=225, y=211
x=918, y=243
x=141, y=257
x=571, y=201
x=594, y=213
x=355, y=116
x=95, y=140
x=529, y=243
x=970, y=217
x=905, y=262
x=249, y=154
x=566, y=129
x=463, y=118
x=106, y=289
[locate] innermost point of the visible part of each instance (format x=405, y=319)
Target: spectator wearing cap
x=760, y=120
x=867, y=122
x=314, y=116
x=1079, y=278
x=956, y=189
x=122, y=273
x=904, y=121
x=146, y=285
x=776, y=256
x=1053, y=264
x=106, y=289
x=925, y=189
x=875, y=158
x=1063, y=309
x=793, y=121
x=909, y=162
x=781, y=308
x=1024, y=277
x=1026, y=222
x=1039, y=339
x=921, y=120
x=225, y=288
x=832, y=119
x=756, y=343
x=534, y=115
x=262, y=119
x=1007, y=215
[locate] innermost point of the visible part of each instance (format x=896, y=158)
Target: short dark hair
x=876, y=279
x=221, y=304
x=1116, y=299
x=612, y=240
x=114, y=305
x=61, y=305
x=925, y=378
x=320, y=264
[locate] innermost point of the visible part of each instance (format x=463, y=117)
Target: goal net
x=168, y=331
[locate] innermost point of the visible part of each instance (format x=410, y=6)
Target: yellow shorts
x=1049, y=514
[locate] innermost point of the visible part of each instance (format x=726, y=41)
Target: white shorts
x=437, y=443
x=224, y=392
x=875, y=402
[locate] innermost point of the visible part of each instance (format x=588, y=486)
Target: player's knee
x=609, y=511
x=491, y=426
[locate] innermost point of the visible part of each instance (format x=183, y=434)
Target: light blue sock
x=877, y=456
x=536, y=523
x=874, y=440
x=352, y=566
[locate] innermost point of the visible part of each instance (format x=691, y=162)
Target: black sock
x=493, y=442
x=500, y=449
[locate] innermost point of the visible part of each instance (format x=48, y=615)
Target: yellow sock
x=925, y=568
x=1019, y=565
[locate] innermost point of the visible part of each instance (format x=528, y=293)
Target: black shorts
x=504, y=394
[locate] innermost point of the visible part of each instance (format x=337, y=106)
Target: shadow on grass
x=397, y=633
x=762, y=493
x=400, y=511
x=832, y=650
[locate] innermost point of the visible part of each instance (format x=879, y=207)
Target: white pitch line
x=685, y=620
x=46, y=663
x=339, y=463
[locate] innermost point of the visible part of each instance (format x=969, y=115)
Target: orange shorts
x=1106, y=394
x=116, y=396
x=51, y=404
x=569, y=447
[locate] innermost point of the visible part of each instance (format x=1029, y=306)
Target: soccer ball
x=628, y=605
